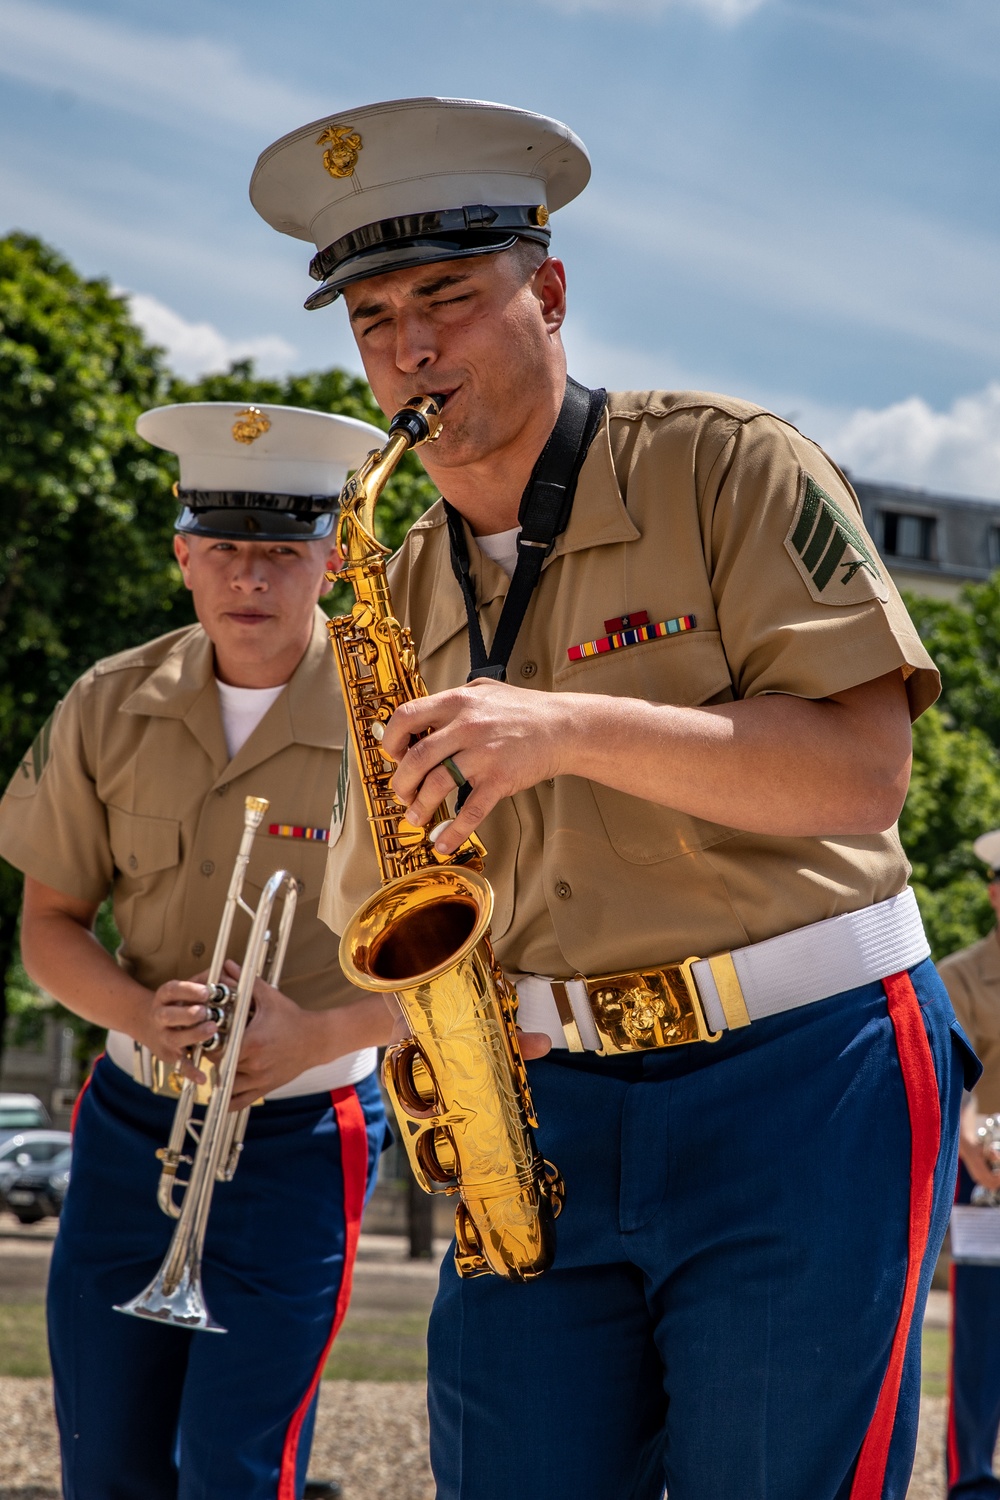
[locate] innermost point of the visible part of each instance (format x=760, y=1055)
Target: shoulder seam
x=149, y=654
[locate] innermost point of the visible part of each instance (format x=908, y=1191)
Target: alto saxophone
x=458, y=1083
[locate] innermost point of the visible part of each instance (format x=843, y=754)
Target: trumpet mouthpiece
x=255, y=807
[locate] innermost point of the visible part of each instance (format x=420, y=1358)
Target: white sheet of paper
x=975, y=1235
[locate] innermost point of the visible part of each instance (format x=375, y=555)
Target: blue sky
x=792, y=200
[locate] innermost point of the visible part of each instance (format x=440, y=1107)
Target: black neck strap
x=543, y=513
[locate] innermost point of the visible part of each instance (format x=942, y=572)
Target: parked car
x=39, y=1190
x=29, y=1148
x=21, y=1112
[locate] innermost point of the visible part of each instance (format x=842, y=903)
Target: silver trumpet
x=175, y=1294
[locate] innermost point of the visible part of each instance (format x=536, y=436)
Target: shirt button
x=528, y=669
x=133, y=863
x=197, y=949
x=208, y=868
x=563, y=891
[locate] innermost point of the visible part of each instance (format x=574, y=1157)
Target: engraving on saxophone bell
x=458, y=1084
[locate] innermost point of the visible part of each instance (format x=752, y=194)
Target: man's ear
x=550, y=289
x=182, y=552
x=332, y=564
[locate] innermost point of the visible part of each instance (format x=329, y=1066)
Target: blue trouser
x=741, y=1268
x=974, y=1406
x=148, y=1412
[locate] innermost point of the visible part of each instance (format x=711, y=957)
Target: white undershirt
x=501, y=547
x=242, y=710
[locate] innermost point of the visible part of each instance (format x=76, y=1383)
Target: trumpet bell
x=184, y=1307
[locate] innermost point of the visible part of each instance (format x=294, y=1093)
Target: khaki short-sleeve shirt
x=689, y=508
x=972, y=979
x=130, y=788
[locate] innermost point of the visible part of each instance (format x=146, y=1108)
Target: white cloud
x=826, y=257
x=726, y=11
x=155, y=74
x=199, y=348
x=955, y=451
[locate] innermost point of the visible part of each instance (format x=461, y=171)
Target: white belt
x=764, y=979
x=350, y=1068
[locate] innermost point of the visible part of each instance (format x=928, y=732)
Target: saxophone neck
x=419, y=421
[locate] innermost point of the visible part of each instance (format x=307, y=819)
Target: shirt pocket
x=146, y=853
x=689, y=670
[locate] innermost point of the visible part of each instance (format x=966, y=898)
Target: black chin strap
x=543, y=513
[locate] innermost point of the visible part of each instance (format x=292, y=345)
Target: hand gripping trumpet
x=458, y=1084
x=175, y=1294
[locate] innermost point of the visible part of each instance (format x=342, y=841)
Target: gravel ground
x=370, y=1435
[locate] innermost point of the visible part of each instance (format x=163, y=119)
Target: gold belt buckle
x=651, y=1008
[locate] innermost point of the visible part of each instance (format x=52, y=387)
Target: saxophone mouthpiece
x=420, y=419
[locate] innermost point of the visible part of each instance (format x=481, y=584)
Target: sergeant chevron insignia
x=340, y=795
x=35, y=761
x=830, y=549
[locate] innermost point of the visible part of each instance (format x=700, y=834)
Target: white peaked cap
x=257, y=469
x=987, y=848
x=353, y=173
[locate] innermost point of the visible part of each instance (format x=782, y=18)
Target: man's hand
x=176, y=1021
x=282, y=1040
x=974, y=1153
x=504, y=738
x=773, y=763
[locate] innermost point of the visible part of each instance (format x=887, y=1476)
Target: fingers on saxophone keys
x=433, y=790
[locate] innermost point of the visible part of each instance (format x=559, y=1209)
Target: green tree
x=86, y=566
x=964, y=639
x=954, y=795
x=956, y=770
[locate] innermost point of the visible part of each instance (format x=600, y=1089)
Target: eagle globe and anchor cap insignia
x=250, y=425
x=342, y=146
x=828, y=546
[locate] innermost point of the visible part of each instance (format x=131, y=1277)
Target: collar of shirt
x=183, y=687
x=598, y=518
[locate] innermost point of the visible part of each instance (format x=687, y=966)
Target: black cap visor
x=221, y=515
x=403, y=255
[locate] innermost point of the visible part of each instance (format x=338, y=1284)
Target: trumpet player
x=137, y=786
x=671, y=684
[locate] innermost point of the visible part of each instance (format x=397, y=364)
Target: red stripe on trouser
x=920, y=1083
x=354, y=1166
x=952, y=1446
x=79, y=1098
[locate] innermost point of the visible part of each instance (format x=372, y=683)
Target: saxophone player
x=686, y=737
x=138, y=786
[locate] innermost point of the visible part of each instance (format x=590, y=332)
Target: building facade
x=933, y=544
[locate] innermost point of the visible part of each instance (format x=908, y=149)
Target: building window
x=907, y=536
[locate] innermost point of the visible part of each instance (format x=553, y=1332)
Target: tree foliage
x=954, y=795
x=955, y=789
x=86, y=566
